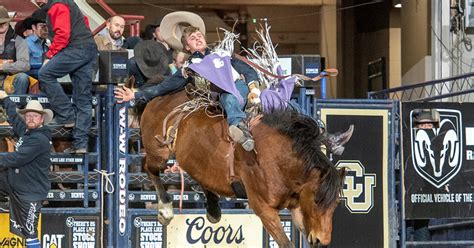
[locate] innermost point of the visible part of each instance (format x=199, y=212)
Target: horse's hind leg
x=272, y=223
x=213, y=209
x=165, y=205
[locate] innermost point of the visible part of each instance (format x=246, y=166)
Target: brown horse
x=287, y=169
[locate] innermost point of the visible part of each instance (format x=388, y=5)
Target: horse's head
x=318, y=199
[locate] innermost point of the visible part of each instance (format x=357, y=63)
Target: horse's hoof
x=213, y=219
x=214, y=214
x=163, y=221
x=165, y=213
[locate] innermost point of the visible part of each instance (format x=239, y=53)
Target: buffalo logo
x=436, y=152
x=358, y=191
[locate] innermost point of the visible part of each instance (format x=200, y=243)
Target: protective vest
x=79, y=31
x=9, y=51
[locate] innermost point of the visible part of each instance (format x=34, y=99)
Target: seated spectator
x=21, y=30
x=111, y=37
x=14, y=59
x=37, y=45
x=179, y=57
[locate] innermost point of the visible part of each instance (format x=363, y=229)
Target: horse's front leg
x=297, y=217
x=165, y=205
x=271, y=221
x=213, y=210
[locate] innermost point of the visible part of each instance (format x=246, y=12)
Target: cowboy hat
x=172, y=26
x=4, y=17
x=426, y=116
x=35, y=106
x=151, y=58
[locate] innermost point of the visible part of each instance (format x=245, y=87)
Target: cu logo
x=218, y=63
x=358, y=191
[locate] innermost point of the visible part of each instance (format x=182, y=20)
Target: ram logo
x=437, y=152
x=359, y=186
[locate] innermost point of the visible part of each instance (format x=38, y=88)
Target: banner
x=64, y=231
x=438, y=162
x=147, y=232
x=365, y=199
x=233, y=230
x=7, y=239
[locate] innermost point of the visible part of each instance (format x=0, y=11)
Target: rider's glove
x=254, y=95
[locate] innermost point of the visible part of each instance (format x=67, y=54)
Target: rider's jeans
x=233, y=109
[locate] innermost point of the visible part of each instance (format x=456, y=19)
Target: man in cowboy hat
x=24, y=172
x=149, y=61
x=72, y=52
x=426, y=118
x=14, y=59
x=38, y=43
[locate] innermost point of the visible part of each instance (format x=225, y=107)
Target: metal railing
x=452, y=89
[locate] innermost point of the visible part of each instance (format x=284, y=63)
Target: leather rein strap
x=330, y=72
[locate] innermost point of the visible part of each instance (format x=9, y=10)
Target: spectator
x=179, y=57
x=24, y=172
x=150, y=60
x=14, y=60
x=111, y=37
x=21, y=30
x=426, y=118
x=417, y=229
x=74, y=52
x=152, y=32
x=37, y=45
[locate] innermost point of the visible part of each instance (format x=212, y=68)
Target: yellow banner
x=7, y=239
x=233, y=230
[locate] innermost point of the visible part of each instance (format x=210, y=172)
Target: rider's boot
x=242, y=135
x=335, y=142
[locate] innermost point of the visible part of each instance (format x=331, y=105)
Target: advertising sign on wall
x=8, y=239
x=365, y=199
x=147, y=232
x=233, y=230
x=62, y=231
x=438, y=161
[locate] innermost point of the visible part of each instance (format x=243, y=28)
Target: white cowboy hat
x=35, y=106
x=172, y=25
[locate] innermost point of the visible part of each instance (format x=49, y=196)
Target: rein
x=330, y=72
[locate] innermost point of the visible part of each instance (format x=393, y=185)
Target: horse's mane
x=306, y=137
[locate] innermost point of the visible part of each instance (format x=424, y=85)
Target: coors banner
x=439, y=162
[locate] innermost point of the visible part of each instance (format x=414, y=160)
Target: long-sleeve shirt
x=177, y=81
x=67, y=26
x=22, y=63
x=29, y=164
x=36, y=48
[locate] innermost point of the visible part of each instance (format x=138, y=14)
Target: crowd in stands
x=28, y=46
